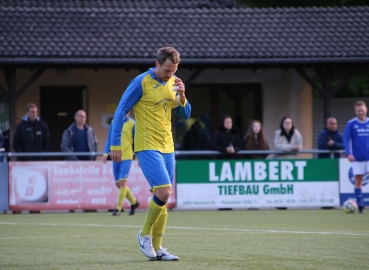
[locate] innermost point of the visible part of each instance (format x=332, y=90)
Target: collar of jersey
x=151, y=71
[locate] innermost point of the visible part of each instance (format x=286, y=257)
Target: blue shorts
x=158, y=168
x=121, y=170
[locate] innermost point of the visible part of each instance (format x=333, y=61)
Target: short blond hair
x=30, y=105
x=360, y=103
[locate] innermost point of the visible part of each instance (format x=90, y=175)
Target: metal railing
x=7, y=155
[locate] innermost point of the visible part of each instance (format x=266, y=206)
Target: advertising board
x=72, y=185
x=212, y=184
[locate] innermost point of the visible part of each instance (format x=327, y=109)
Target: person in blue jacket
x=330, y=139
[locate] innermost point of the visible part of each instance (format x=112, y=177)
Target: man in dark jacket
x=330, y=139
x=79, y=137
x=31, y=134
x=227, y=139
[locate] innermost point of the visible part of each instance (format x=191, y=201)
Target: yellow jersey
x=152, y=101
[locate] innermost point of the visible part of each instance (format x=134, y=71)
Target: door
x=58, y=104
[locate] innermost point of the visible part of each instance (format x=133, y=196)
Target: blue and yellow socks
x=122, y=194
x=158, y=229
x=154, y=211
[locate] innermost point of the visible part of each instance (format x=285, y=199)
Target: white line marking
x=40, y=237
x=186, y=228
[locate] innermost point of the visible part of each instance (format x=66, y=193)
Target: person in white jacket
x=287, y=139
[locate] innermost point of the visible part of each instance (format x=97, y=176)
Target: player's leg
x=158, y=229
x=124, y=172
x=121, y=195
x=120, y=170
x=359, y=169
x=154, y=170
x=134, y=203
x=159, y=226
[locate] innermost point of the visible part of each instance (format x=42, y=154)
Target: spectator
x=31, y=135
x=287, y=139
x=79, y=137
x=330, y=139
x=227, y=139
x=255, y=140
x=195, y=138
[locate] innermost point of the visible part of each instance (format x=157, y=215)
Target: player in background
x=121, y=169
x=356, y=141
x=153, y=94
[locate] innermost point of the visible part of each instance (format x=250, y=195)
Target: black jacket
x=324, y=136
x=222, y=139
x=196, y=139
x=31, y=137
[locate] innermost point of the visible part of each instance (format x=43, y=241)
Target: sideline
x=185, y=228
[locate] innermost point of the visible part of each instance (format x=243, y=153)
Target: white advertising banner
x=254, y=184
x=347, y=183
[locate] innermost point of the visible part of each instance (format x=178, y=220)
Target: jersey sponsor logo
x=156, y=86
x=165, y=106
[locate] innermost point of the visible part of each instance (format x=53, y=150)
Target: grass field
x=275, y=239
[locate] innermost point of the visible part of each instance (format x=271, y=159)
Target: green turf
x=277, y=239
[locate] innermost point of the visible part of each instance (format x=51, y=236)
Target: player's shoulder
x=352, y=121
x=141, y=77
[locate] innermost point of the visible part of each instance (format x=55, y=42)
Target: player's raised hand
x=180, y=88
x=116, y=155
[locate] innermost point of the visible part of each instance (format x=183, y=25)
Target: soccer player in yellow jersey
x=121, y=169
x=153, y=95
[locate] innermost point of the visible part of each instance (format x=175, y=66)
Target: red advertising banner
x=73, y=185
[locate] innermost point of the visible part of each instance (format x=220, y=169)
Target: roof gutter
x=185, y=61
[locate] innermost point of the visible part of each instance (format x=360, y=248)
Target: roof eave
x=85, y=62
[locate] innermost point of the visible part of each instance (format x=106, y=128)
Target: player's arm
x=107, y=144
x=130, y=97
x=183, y=110
x=346, y=142
x=182, y=106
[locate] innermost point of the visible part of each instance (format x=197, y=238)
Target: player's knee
x=163, y=194
x=123, y=183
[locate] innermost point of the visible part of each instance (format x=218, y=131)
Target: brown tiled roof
x=215, y=30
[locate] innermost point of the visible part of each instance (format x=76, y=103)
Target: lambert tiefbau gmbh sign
x=212, y=184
